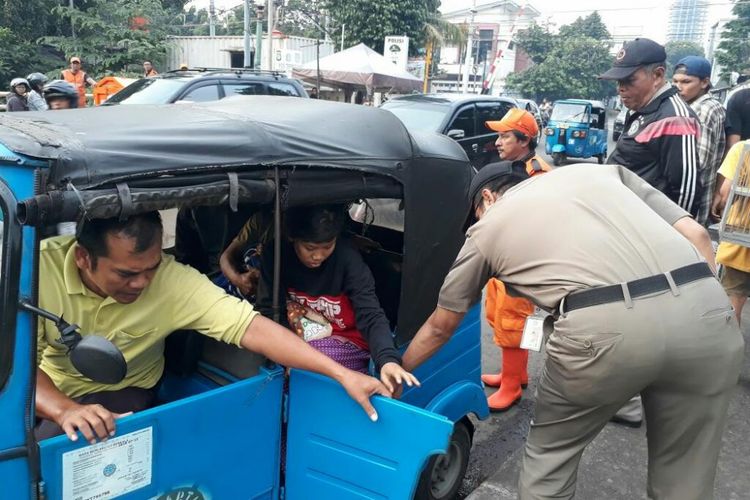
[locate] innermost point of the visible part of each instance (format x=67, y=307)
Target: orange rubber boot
x=496, y=380
x=514, y=366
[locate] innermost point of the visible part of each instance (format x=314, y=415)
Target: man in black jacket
x=659, y=140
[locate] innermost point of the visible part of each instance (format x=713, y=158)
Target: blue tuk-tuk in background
x=223, y=412
x=577, y=128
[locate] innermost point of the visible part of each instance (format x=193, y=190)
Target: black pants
x=128, y=399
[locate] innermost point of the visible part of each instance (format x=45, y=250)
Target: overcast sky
x=625, y=20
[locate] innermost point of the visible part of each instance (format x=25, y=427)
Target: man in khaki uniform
x=629, y=279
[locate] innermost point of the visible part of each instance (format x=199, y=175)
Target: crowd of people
x=37, y=92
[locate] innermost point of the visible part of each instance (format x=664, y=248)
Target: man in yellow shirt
x=112, y=279
x=735, y=259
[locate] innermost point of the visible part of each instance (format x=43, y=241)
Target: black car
x=459, y=116
x=206, y=84
x=619, y=124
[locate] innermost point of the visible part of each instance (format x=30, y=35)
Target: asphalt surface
x=614, y=465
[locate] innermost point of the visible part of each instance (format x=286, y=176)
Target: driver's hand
x=361, y=387
x=393, y=375
x=94, y=421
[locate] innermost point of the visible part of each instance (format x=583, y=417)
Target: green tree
x=23, y=22
x=678, y=49
x=590, y=26
x=302, y=18
x=565, y=74
x=566, y=64
x=536, y=41
x=733, y=53
x=439, y=32
x=370, y=21
x=115, y=36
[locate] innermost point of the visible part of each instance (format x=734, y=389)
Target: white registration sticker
x=106, y=470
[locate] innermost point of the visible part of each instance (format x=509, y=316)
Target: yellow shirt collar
x=73, y=283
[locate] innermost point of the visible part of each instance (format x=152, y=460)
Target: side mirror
x=93, y=356
x=456, y=134
x=99, y=359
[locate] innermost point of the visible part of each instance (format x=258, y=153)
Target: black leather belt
x=636, y=288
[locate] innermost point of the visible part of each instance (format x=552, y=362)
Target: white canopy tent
x=359, y=67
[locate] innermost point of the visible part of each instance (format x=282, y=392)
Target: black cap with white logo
x=632, y=56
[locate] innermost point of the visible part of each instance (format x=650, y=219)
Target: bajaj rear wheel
x=442, y=477
x=558, y=159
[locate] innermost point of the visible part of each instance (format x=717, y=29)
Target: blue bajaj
x=577, y=128
x=222, y=413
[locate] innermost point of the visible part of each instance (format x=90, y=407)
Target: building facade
x=493, y=25
x=687, y=21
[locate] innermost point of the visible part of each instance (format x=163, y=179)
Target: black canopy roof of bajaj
x=119, y=160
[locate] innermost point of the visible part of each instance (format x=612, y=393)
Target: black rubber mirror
x=98, y=359
x=93, y=356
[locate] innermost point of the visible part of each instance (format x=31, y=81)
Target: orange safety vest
x=536, y=165
x=79, y=82
x=505, y=314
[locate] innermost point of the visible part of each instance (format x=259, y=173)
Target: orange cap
x=516, y=119
x=75, y=59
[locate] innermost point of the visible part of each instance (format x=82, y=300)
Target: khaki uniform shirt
x=178, y=297
x=570, y=229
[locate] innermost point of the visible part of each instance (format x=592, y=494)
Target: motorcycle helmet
x=37, y=81
x=57, y=89
x=19, y=81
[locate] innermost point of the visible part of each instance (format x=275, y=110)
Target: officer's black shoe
x=633, y=424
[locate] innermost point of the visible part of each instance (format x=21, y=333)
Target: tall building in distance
x=687, y=21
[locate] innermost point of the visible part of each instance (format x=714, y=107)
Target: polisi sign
x=396, y=50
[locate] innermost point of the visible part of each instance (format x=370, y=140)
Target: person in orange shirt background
x=79, y=79
x=148, y=70
x=516, y=142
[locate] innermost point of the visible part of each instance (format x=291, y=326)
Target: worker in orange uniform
x=79, y=79
x=516, y=142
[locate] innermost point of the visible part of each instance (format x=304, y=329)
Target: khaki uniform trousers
x=682, y=353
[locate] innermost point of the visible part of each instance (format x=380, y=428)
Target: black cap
x=489, y=173
x=632, y=56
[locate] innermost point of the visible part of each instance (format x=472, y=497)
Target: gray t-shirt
x=570, y=229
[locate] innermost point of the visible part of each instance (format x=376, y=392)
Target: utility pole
x=268, y=56
x=342, y=36
x=469, y=59
x=317, y=59
x=258, y=35
x=246, y=33
x=211, y=19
